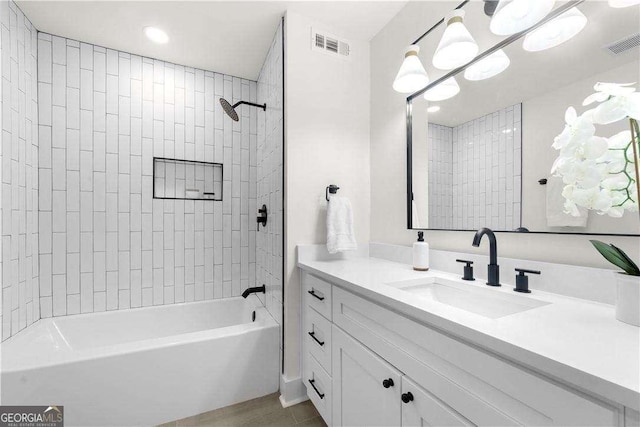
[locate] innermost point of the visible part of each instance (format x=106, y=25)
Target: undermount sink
x=488, y=303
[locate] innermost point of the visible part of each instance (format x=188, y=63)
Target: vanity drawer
x=483, y=388
x=317, y=293
x=318, y=384
x=318, y=338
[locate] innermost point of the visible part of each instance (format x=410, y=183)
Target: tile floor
x=263, y=411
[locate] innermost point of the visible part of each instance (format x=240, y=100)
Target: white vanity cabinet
x=366, y=389
x=421, y=408
x=435, y=379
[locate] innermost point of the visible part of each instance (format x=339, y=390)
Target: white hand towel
x=556, y=217
x=340, y=236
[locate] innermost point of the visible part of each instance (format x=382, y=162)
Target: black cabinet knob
x=407, y=397
x=387, y=383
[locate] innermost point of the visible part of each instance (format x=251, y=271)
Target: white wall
x=106, y=243
x=326, y=142
x=388, y=161
x=19, y=273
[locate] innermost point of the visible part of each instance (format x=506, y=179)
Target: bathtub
x=144, y=366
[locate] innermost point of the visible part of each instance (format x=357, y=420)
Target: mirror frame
x=409, y=124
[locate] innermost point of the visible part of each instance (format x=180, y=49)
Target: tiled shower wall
x=106, y=244
x=440, y=176
x=269, y=261
x=486, y=172
x=19, y=305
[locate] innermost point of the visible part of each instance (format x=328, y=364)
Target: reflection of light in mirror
x=156, y=35
x=433, y=109
x=513, y=16
x=506, y=131
x=488, y=67
x=457, y=46
x=412, y=76
x=623, y=3
x=556, y=31
x=445, y=90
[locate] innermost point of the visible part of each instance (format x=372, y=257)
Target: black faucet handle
x=522, y=280
x=468, y=269
x=522, y=271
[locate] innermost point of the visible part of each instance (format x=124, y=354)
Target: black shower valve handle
x=262, y=217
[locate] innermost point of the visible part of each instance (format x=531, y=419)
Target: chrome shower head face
x=228, y=108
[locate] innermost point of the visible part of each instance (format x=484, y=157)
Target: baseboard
x=292, y=391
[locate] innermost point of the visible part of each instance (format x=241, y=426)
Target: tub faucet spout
x=254, y=290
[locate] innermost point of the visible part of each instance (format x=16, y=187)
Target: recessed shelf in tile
x=186, y=179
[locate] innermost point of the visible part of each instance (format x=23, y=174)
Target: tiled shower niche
x=186, y=179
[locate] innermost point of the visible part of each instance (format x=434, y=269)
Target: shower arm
x=263, y=106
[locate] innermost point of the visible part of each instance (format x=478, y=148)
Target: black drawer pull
x=312, y=382
x=387, y=383
x=315, y=295
x=407, y=397
x=313, y=335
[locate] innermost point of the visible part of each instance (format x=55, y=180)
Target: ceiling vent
x=321, y=41
x=624, y=44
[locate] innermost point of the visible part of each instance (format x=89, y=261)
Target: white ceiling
x=230, y=37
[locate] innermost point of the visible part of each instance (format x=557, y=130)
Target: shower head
x=231, y=109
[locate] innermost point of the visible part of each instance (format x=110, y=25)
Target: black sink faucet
x=494, y=268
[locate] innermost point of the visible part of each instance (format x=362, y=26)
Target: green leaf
x=613, y=256
x=635, y=271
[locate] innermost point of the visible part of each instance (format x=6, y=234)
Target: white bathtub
x=144, y=366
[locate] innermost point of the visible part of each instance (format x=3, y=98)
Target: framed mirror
x=483, y=157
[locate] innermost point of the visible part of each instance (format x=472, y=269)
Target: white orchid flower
x=618, y=108
x=605, y=90
x=620, y=140
x=599, y=173
x=577, y=128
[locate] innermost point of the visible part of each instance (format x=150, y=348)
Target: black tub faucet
x=255, y=290
x=493, y=267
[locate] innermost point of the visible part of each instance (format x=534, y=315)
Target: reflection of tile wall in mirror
x=440, y=176
x=178, y=179
x=475, y=172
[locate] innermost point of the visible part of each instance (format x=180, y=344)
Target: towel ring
x=333, y=189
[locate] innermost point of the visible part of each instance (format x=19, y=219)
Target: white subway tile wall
x=270, y=169
x=19, y=269
x=485, y=172
x=106, y=244
x=440, y=176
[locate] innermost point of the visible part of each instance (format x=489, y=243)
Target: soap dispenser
x=421, y=253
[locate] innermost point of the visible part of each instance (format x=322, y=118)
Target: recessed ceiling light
x=433, y=109
x=156, y=35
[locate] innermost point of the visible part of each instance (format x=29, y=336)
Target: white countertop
x=575, y=341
